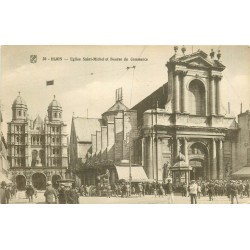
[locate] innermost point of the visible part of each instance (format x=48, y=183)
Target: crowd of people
x=195, y=189
x=214, y=188
x=68, y=193
x=7, y=192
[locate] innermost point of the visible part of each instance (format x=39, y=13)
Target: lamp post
x=129, y=147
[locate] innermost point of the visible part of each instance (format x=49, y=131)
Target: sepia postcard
x=125, y=124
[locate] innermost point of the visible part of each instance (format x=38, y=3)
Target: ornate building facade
x=185, y=117
x=37, y=148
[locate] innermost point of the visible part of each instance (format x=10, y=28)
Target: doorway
x=20, y=182
x=39, y=181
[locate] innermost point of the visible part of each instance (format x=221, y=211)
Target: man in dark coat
x=234, y=192
x=62, y=199
x=3, y=198
x=30, y=192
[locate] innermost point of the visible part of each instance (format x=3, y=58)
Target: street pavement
x=148, y=199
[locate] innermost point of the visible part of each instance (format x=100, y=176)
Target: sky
x=89, y=86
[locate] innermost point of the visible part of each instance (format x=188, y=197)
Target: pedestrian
x=50, y=194
x=234, y=192
x=199, y=190
x=3, y=198
x=210, y=190
x=127, y=189
x=193, y=190
x=140, y=189
x=62, y=199
x=109, y=191
x=8, y=194
x=30, y=192
x=170, y=192
x=240, y=189
x=184, y=189
x=247, y=189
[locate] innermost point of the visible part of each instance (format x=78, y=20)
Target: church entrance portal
x=198, y=161
x=39, y=181
x=20, y=182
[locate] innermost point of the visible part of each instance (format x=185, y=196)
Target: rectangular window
x=19, y=113
x=53, y=129
x=54, y=151
x=53, y=139
x=55, y=115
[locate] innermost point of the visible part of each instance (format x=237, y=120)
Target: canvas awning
x=137, y=172
x=244, y=172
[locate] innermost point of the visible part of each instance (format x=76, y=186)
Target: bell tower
x=195, y=83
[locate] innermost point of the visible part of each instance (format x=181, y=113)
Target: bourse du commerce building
x=37, y=148
x=179, y=127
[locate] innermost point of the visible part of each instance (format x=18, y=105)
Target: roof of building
x=19, y=101
x=38, y=122
x=54, y=103
x=85, y=127
x=118, y=106
x=198, y=58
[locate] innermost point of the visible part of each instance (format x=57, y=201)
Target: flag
x=50, y=83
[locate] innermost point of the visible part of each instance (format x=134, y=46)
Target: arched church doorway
x=197, y=102
x=198, y=161
x=20, y=182
x=39, y=181
x=198, y=168
x=55, y=178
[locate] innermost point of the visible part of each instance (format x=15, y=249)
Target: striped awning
x=137, y=172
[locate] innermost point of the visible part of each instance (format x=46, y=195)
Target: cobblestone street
x=148, y=199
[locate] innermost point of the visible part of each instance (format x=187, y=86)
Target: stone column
x=177, y=147
x=148, y=157
x=176, y=92
x=142, y=151
x=159, y=159
x=214, y=160
x=184, y=93
x=212, y=96
x=221, y=164
x=185, y=150
x=218, y=95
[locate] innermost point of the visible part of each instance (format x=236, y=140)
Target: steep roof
x=85, y=127
x=118, y=106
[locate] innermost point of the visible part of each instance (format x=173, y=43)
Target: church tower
x=18, y=137
x=55, y=137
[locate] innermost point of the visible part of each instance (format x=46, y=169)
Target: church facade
x=181, y=128
x=37, y=148
x=184, y=117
